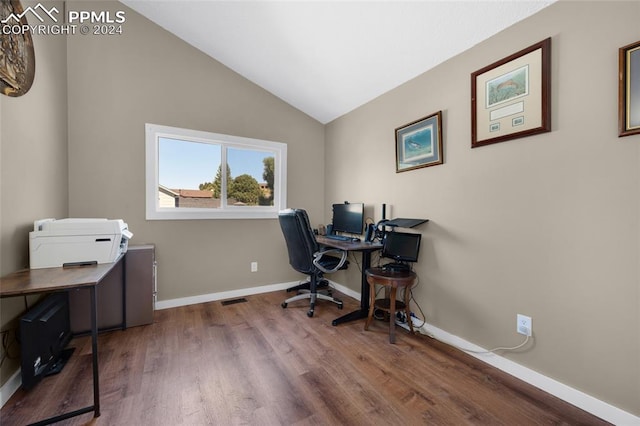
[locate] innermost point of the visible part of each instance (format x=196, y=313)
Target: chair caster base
x=310, y=314
x=284, y=305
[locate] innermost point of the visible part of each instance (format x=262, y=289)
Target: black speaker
x=371, y=232
x=330, y=229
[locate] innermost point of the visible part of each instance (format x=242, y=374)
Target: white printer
x=67, y=242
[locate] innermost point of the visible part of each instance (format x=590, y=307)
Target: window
x=200, y=175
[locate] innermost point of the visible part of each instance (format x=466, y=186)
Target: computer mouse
x=355, y=239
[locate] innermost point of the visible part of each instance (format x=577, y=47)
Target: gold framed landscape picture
x=511, y=98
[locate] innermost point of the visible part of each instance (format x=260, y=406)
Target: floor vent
x=233, y=301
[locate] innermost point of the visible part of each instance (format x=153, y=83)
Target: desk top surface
x=28, y=281
x=348, y=245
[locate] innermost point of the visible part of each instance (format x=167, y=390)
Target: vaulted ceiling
x=326, y=58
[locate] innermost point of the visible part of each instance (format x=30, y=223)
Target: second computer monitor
x=401, y=246
x=348, y=217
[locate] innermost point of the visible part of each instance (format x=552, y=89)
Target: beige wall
x=547, y=226
x=146, y=75
x=33, y=166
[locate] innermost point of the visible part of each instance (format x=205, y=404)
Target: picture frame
x=629, y=90
x=511, y=98
x=419, y=143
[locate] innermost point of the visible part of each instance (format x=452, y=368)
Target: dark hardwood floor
x=255, y=363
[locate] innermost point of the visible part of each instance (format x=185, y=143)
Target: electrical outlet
x=523, y=325
x=254, y=266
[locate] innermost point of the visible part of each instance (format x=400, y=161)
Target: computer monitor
x=348, y=217
x=401, y=246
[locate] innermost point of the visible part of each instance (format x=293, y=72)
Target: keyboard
x=338, y=237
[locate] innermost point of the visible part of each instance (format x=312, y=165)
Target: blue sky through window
x=186, y=164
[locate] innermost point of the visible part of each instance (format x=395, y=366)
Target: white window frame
x=153, y=134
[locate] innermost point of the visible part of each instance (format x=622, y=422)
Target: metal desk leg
x=364, y=285
x=94, y=355
x=94, y=350
x=124, y=291
x=363, y=312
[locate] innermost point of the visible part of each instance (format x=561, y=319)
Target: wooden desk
x=33, y=281
x=366, y=249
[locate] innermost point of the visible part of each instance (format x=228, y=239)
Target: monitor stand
x=396, y=267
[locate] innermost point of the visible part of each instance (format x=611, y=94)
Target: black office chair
x=306, y=257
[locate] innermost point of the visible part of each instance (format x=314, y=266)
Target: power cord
x=379, y=316
x=492, y=350
x=488, y=351
x=499, y=348
x=356, y=261
x=412, y=299
x=7, y=343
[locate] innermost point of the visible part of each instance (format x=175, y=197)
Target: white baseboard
x=573, y=396
x=345, y=290
x=10, y=387
x=211, y=297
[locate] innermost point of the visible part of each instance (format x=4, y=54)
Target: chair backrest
x=301, y=243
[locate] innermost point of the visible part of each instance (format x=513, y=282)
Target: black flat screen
x=348, y=218
x=401, y=246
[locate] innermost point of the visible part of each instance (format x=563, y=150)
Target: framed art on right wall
x=511, y=98
x=419, y=143
x=629, y=90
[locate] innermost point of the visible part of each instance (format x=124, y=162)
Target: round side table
x=392, y=280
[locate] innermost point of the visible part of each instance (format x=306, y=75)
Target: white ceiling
x=326, y=58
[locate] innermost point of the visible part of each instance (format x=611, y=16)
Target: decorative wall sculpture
x=17, y=58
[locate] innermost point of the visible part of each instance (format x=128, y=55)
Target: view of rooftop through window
x=193, y=171
x=191, y=174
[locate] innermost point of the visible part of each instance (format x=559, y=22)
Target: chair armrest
x=318, y=255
